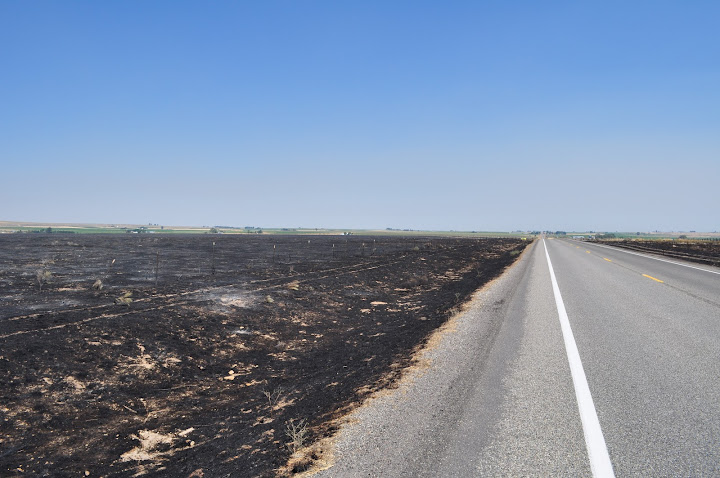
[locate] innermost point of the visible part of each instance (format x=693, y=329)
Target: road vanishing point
x=581, y=360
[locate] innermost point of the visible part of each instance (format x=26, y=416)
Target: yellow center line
x=653, y=278
x=588, y=252
x=607, y=259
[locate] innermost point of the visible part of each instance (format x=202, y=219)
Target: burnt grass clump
x=199, y=355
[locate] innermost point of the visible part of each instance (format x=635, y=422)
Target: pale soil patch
x=156, y=447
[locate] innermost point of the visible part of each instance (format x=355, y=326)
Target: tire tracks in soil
x=353, y=269
x=179, y=294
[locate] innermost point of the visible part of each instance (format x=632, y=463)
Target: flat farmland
x=211, y=355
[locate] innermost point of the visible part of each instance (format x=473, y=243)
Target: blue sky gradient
x=425, y=115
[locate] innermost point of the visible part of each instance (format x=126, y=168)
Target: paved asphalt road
x=498, y=398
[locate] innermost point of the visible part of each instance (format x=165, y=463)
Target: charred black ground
x=198, y=351
x=700, y=251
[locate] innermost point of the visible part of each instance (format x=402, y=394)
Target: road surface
x=505, y=393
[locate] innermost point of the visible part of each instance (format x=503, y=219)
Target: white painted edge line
x=656, y=258
x=600, y=463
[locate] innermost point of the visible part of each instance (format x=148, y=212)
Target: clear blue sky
x=477, y=115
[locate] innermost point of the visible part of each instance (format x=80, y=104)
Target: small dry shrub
x=297, y=432
x=274, y=397
x=43, y=277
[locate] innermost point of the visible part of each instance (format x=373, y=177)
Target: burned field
x=210, y=355
x=700, y=251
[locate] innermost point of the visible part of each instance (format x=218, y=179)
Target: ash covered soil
x=194, y=358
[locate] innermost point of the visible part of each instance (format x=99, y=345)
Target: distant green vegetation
x=371, y=232
x=154, y=229
x=57, y=230
x=89, y=230
x=157, y=229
